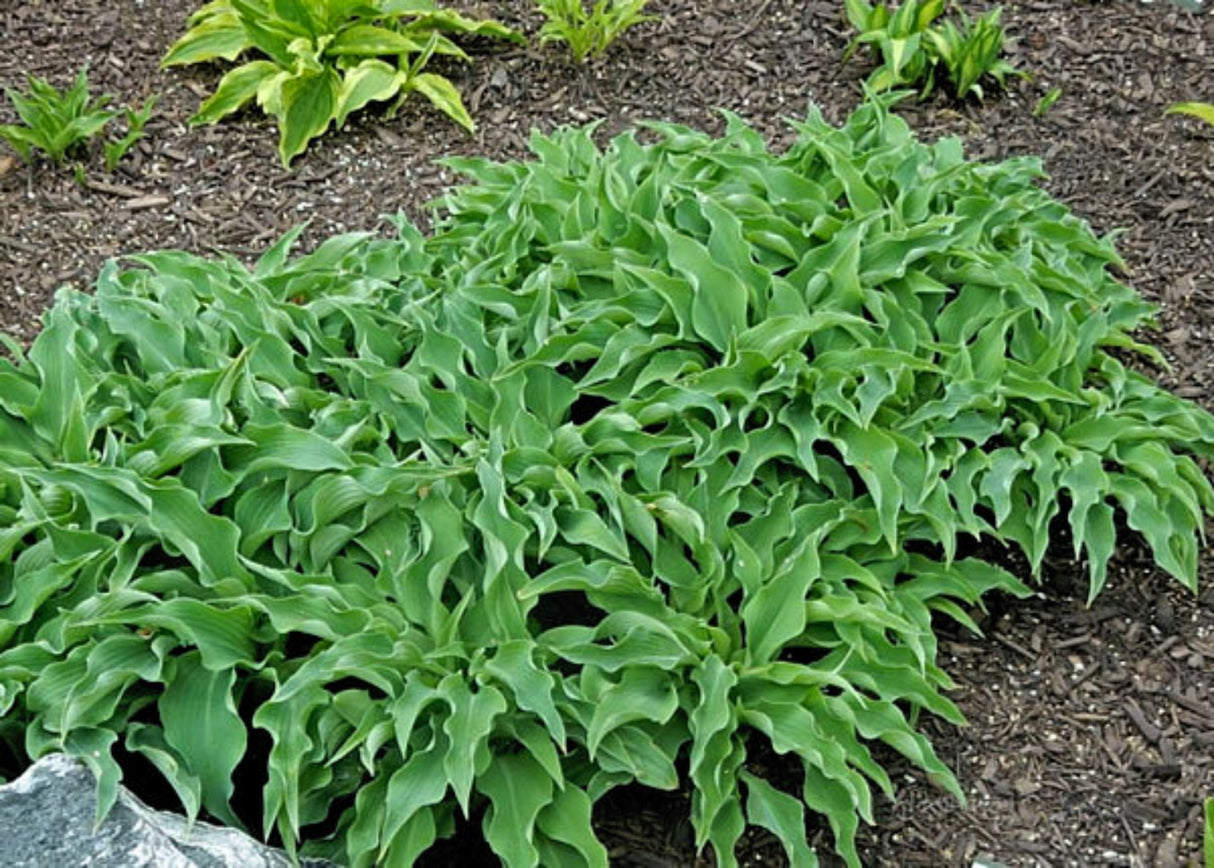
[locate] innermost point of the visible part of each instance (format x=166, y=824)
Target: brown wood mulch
x=1092, y=729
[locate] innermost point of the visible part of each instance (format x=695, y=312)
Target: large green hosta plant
x=651, y=462
x=322, y=60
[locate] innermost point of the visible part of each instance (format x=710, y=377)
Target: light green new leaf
x=1200, y=110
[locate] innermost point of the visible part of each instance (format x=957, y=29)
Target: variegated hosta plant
x=320, y=61
x=652, y=462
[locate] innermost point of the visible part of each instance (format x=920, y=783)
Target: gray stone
x=46, y=821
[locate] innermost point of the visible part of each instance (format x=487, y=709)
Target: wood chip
x=147, y=202
x=1149, y=730
x=1175, y=207
x=116, y=189
x=388, y=137
x=1015, y=646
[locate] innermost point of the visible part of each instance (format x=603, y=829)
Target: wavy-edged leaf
x=305, y=106
x=372, y=80
x=237, y=87
x=443, y=96
x=200, y=722
x=518, y=789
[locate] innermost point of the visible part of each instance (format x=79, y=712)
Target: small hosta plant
x=899, y=38
x=136, y=120
x=57, y=123
x=919, y=49
x=1046, y=102
x=589, y=32
x=315, y=62
x=971, y=51
x=62, y=124
x=650, y=464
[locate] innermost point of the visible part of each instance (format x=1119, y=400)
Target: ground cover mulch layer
x=1092, y=728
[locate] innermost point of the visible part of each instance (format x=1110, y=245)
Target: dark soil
x=1092, y=730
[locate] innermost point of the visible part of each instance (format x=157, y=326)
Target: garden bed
x=1092, y=729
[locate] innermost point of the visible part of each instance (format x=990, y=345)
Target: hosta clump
x=651, y=461
x=322, y=60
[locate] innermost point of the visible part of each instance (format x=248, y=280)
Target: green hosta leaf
x=371, y=81
x=776, y=613
x=413, y=838
x=1144, y=513
x=567, y=819
x=468, y=729
x=451, y=21
x=86, y=690
x=518, y=789
x=93, y=746
x=641, y=694
x=830, y=798
x=305, y=106
x=883, y=720
x=368, y=40
x=634, y=752
x=198, y=713
x=150, y=742
x=720, y=300
x=219, y=35
x=581, y=526
x=22, y=140
x=795, y=728
x=235, y=90
x=442, y=95
x=412, y=789
x=222, y=635
x=295, y=16
x=283, y=446
x=713, y=752
x=287, y=721
x=513, y=665
x=780, y=814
